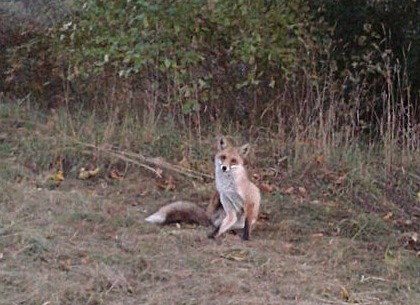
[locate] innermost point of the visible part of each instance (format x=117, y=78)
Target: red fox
x=236, y=203
x=240, y=197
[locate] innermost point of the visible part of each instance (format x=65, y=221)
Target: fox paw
x=212, y=235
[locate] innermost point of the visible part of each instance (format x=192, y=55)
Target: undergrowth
x=359, y=177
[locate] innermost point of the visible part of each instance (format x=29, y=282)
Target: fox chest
x=227, y=188
x=225, y=181
x=225, y=185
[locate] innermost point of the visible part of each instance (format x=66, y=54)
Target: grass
x=328, y=240
x=342, y=216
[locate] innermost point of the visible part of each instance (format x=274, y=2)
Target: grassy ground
x=330, y=237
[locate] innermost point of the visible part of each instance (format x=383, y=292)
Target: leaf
x=58, y=176
x=341, y=180
x=317, y=235
x=302, y=190
x=65, y=264
x=289, y=190
x=167, y=183
x=202, y=84
x=83, y=174
x=320, y=159
x=388, y=216
x=190, y=106
x=238, y=255
x=88, y=173
x=263, y=216
x=115, y=174
x=167, y=63
x=344, y=294
x=266, y=188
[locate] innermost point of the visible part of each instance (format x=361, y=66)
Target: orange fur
x=235, y=204
x=239, y=196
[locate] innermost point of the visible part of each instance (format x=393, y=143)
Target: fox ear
x=244, y=150
x=222, y=143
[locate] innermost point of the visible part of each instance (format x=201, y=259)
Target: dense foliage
x=200, y=51
x=377, y=42
x=130, y=35
x=242, y=61
x=361, y=27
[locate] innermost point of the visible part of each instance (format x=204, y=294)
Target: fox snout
x=223, y=166
x=227, y=168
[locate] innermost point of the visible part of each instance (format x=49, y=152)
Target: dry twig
x=144, y=162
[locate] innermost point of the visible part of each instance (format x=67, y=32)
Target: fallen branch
x=145, y=162
x=129, y=160
x=164, y=164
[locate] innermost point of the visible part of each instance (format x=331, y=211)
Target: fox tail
x=180, y=211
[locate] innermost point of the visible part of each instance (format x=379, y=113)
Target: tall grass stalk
x=325, y=121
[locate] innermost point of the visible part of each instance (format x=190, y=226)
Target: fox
x=239, y=196
x=235, y=203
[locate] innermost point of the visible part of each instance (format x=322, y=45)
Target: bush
x=201, y=52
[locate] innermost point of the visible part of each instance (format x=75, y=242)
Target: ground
x=326, y=235
x=86, y=242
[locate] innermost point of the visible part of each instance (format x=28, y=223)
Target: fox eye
x=234, y=161
x=223, y=157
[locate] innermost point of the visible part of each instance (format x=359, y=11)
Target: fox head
x=228, y=156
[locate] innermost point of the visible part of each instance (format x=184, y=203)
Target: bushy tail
x=180, y=211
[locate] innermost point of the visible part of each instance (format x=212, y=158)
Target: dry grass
x=329, y=240
x=87, y=246
x=343, y=214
